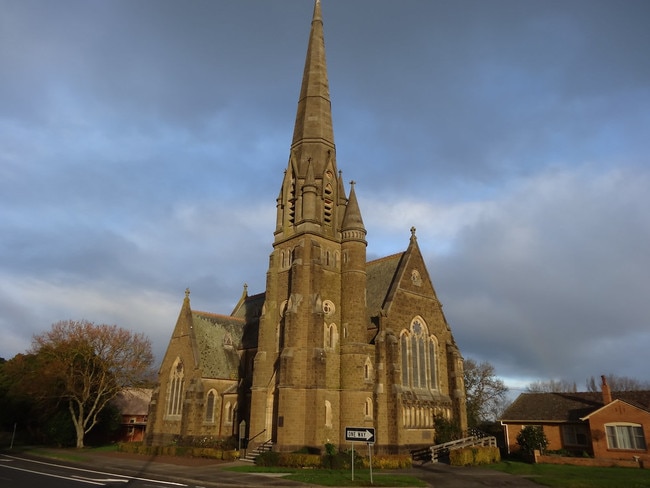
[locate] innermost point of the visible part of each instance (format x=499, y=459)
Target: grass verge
x=565, y=476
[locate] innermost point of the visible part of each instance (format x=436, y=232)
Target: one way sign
x=360, y=434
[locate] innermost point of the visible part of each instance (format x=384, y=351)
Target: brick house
x=607, y=425
x=334, y=340
x=133, y=405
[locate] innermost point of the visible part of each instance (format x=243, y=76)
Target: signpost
x=361, y=434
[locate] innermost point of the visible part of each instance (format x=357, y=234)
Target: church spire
x=313, y=133
x=352, y=226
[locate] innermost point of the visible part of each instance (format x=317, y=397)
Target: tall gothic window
x=368, y=408
x=404, y=346
x=419, y=356
x=175, y=390
x=209, y=406
x=328, y=414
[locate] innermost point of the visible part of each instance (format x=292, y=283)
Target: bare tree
x=486, y=394
x=618, y=383
x=87, y=365
x=552, y=386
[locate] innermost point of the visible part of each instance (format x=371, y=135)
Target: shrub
x=392, y=461
x=473, y=456
x=532, y=438
x=445, y=430
x=268, y=458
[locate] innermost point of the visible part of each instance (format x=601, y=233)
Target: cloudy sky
x=142, y=146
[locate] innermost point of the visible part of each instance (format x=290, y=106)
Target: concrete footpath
x=205, y=472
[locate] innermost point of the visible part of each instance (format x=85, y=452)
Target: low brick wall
x=577, y=461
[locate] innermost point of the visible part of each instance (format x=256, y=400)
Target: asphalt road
x=19, y=472
x=26, y=471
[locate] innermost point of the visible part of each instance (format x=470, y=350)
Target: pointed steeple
x=313, y=127
x=352, y=226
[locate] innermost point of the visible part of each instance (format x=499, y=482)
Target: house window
x=175, y=390
x=625, y=436
x=209, y=406
x=574, y=435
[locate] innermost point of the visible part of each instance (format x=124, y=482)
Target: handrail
x=258, y=434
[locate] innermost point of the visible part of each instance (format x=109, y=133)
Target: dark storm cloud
x=142, y=146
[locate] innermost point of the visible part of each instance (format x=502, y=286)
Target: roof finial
x=187, y=292
x=413, y=233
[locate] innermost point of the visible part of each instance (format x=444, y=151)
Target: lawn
x=564, y=476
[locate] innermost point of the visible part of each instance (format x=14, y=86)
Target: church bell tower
x=312, y=333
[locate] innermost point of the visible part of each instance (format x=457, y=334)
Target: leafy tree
x=85, y=366
x=532, y=437
x=486, y=394
x=446, y=430
x=20, y=404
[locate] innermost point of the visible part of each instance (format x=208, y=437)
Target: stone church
x=334, y=341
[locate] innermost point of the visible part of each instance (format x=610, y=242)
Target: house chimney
x=607, y=394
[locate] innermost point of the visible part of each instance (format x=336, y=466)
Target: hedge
x=472, y=456
x=202, y=452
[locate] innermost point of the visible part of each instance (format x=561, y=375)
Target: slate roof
x=566, y=407
x=380, y=275
x=217, y=338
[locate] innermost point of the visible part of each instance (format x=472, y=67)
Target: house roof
x=133, y=401
x=566, y=407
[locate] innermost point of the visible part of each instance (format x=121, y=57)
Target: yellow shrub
x=472, y=456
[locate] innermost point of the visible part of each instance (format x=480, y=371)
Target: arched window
x=433, y=362
x=404, y=350
x=367, y=370
x=419, y=352
x=175, y=389
x=209, y=406
x=228, y=411
x=368, y=409
x=328, y=414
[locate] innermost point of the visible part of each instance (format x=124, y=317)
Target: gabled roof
x=615, y=402
x=565, y=407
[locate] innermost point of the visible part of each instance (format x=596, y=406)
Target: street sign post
x=361, y=434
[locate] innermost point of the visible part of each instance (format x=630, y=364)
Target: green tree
x=486, y=394
x=532, y=437
x=446, y=430
x=85, y=366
